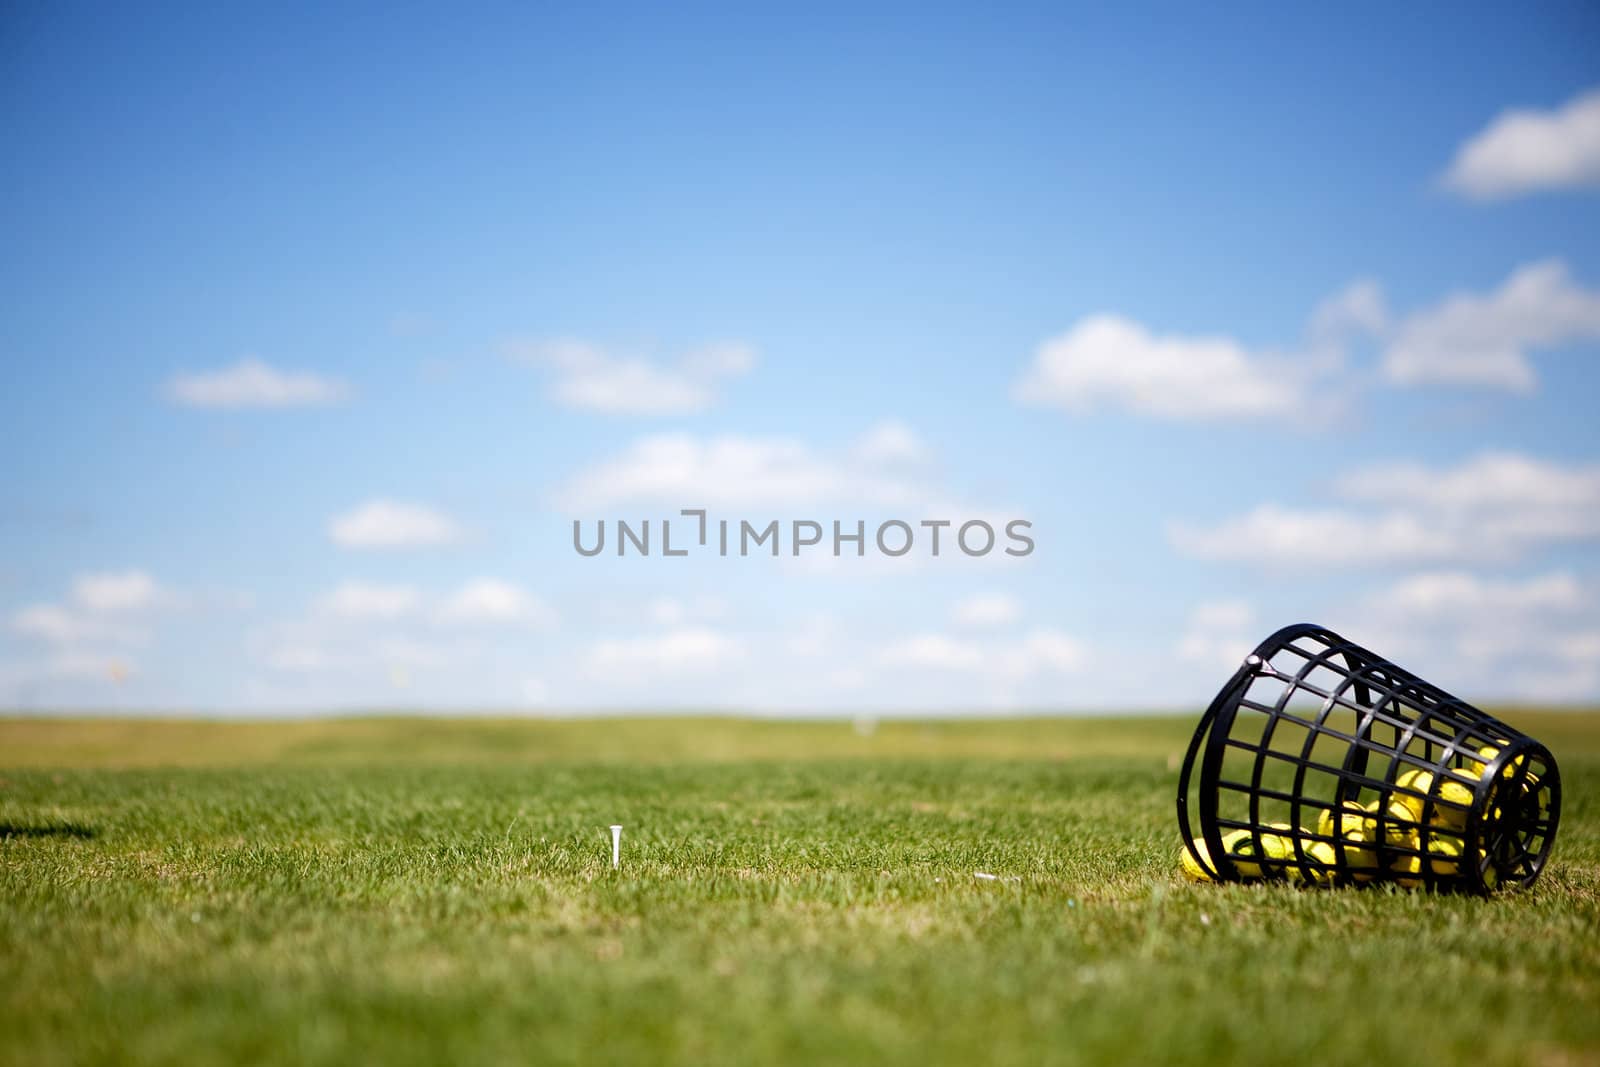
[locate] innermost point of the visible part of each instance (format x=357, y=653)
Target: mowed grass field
x=426, y=891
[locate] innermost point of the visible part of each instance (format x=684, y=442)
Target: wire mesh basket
x=1324, y=763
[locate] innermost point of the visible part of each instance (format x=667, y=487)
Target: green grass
x=399, y=891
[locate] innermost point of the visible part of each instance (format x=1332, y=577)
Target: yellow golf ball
x=1444, y=861
x=1489, y=752
x=1191, y=867
x=1322, y=862
x=1241, y=846
x=1351, y=820
x=1445, y=814
x=1399, y=822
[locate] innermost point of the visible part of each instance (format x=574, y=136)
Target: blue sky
x=321, y=327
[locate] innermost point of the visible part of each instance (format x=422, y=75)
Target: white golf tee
x=616, y=847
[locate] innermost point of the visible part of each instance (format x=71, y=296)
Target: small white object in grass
x=616, y=847
x=985, y=875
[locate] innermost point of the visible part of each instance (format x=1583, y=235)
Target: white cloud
x=714, y=472
x=1219, y=633
x=1483, y=340
x=1001, y=671
x=491, y=601
x=367, y=646
x=1466, y=339
x=667, y=611
x=683, y=470
x=103, y=608
x=675, y=611
x=684, y=650
x=1047, y=650
x=297, y=656
x=1223, y=615
x=1356, y=310
x=116, y=591
x=364, y=630
x=52, y=622
x=768, y=479
x=1274, y=535
x=725, y=359
x=1107, y=360
x=1526, y=151
x=1496, y=506
x=987, y=609
x=391, y=524
x=933, y=652
x=589, y=378
x=1533, y=638
x=892, y=443
x=361, y=600
x=87, y=636
x=1505, y=498
x=1005, y=660
x=251, y=383
x=1453, y=596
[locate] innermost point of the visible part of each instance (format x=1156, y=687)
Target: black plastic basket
x=1322, y=762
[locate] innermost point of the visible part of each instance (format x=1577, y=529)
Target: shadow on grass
x=56, y=829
